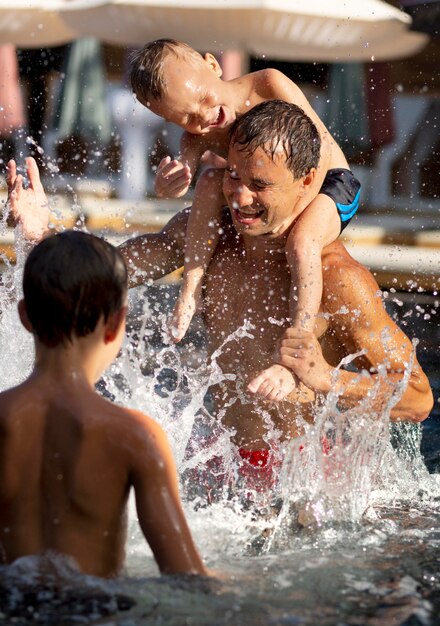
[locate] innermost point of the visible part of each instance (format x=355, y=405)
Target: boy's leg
x=201, y=239
x=317, y=227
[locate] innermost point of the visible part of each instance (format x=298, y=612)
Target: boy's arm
x=160, y=513
x=191, y=149
x=360, y=323
x=154, y=255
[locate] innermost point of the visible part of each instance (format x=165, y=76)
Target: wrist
x=326, y=382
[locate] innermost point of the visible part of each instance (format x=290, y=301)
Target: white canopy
x=33, y=23
x=317, y=30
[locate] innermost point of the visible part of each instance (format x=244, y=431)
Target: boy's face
x=195, y=99
x=261, y=192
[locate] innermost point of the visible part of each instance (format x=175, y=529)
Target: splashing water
x=357, y=484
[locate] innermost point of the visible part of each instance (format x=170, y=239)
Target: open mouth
x=221, y=117
x=247, y=217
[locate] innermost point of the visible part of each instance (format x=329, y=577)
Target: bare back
x=252, y=89
x=65, y=477
x=68, y=458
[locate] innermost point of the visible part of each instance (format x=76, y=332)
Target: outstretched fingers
x=33, y=174
x=11, y=174
x=28, y=206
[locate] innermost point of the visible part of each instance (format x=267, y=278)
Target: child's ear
x=113, y=324
x=308, y=181
x=24, y=316
x=213, y=64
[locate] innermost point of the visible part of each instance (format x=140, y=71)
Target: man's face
x=261, y=193
x=195, y=98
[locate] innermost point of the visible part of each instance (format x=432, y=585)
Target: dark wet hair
x=70, y=281
x=147, y=76
x=274, y=124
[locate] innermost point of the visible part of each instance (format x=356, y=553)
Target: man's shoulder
x=337, y=259
x=343, y=276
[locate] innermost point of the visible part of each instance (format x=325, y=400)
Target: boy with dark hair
x=69, y=457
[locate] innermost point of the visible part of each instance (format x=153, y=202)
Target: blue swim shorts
x=344, y=189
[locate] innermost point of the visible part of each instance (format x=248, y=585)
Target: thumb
x=213, y=159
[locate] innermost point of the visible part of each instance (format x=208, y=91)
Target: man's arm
x=359, y=322
x=162, y=520
x=148, y=256
x=153, y=255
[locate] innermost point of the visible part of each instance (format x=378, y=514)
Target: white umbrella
x=317, y=30
x=33, y=24
x=313, y=30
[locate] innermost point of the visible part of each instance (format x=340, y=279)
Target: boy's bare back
x=68, y=458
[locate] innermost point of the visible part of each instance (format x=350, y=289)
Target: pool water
x=370, y=556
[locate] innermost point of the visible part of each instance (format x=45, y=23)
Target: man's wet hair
x=274, y=126
x=70, y=281
x=147, y=75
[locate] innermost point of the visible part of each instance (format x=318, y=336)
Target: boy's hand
x=28, y=207
x=173, y=178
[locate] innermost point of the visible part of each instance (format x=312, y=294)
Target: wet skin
x=205, y=106
x=249, y=279
x=68, y=459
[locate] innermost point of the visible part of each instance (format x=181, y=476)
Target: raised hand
x=173, y=178
x=29, y=206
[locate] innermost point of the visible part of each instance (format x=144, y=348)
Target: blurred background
x=370, y=69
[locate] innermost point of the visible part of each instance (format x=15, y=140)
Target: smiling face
x=262, y=194
x=195, y=97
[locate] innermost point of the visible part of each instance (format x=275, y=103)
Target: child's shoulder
x=271, y=83
x=196, y=145
x=134, y=421
x=10, y=398
x=142, y=436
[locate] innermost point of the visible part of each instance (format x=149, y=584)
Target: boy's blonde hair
x=147, y=76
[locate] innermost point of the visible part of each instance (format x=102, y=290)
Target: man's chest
x=242, y=294
x=253, y=296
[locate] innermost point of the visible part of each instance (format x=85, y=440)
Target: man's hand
x=300, y=352
x=173, y=178
x=28, y=207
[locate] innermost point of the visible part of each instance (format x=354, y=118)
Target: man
x=248, y=283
